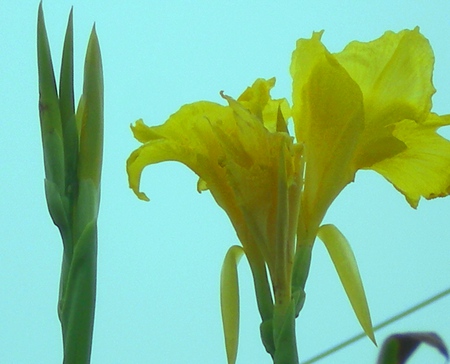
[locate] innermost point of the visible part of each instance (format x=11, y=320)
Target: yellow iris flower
x=367, y=107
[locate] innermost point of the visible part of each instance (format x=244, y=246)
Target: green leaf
x=398, y=348
x=229, y=301
x=345, y=263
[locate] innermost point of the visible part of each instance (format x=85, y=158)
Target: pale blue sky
x=159, y=262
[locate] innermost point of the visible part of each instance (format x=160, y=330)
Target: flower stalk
x=72, y=160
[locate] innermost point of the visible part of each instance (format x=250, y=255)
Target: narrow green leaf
x=345, y=263
x=229, y=301
x=49, y=114
x=398, y=348
x=91, y=134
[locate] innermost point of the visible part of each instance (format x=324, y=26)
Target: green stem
x=284, y=333
x=78, y=302
x=379, y=326
x=263, y=298
x=262, y=289
x=302, y=259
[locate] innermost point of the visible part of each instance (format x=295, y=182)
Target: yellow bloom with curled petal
x=244, y=156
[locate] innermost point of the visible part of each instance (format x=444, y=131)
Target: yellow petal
x=257, y=100
x=143, y=133
x=423, y=168
x=255, y=97
x=329, y=118
x=186, y=137
x=394, y=73
x=304, y=59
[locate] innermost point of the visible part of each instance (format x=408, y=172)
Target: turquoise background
x=159, y=262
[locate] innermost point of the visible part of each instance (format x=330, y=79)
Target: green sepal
x=398, y=348
x=345, y=263
x=229, y=301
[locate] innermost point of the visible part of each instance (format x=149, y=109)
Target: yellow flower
x=245, y=157
x=367, y=107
